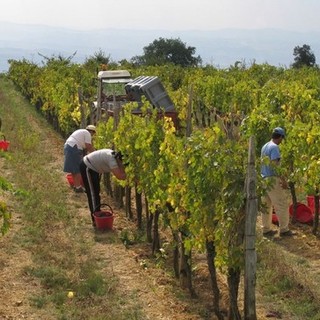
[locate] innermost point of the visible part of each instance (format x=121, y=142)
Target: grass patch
x=50, y=277
x=96, y=284
x=281, y=285
x=38, y=301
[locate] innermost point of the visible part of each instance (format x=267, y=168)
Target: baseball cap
x=91, y=127
x=280, y=131
x=117, y=155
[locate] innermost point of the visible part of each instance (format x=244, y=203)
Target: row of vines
x=193, y=181
x=4, y=212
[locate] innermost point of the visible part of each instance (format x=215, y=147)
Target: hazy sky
x=165, y=14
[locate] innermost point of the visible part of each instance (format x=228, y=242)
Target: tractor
x=116, y=88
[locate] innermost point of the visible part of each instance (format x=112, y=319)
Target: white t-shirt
x=79, y=137
x=101, y=161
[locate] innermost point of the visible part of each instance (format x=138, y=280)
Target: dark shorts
x=72, y=159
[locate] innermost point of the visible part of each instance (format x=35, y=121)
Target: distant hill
x=220, y=48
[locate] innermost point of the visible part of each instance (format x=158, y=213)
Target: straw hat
x=91, y=127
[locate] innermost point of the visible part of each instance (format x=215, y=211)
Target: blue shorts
x=72, y=159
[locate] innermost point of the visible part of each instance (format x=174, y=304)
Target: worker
x=92, y=167
x=76, y=146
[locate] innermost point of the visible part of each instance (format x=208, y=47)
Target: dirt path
x=16, y=288
x=151, y=285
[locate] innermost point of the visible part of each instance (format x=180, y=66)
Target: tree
x=163, y=51
x=58, y=60
x=303, y=57
x=98, y=61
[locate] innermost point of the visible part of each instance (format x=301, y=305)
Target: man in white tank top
x=78, y=143
x=91, y=168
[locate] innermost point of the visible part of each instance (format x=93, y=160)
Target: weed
x=22, y=194
x=38, y=301
x=5, y=215
x=5, y=155
x=127, y=237
x=58, y=298
x=93, y=285
x=30, y=141
x=5, y=185
x=161, y=258
x=131, y=237
x=50, y=277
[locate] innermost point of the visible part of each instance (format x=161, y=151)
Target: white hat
x=91, y=127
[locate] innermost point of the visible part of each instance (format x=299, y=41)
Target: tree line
x=174, y=51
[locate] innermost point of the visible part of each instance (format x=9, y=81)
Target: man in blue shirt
x=276, y=196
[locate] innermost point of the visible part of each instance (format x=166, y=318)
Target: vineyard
x=186, y=186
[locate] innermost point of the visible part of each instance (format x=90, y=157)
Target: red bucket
x=274, y=217
x=4, y=144
x=70, y=180
x=303, y=214
x=311, y=203
x=104, y=219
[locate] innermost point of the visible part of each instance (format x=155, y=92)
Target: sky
x=294, y=15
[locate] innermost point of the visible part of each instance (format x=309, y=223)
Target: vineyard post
x=98, y=111
x=184, y=257
x=119, y=191
x=293, y=191
x=316, y=213
x=189, y=112
x=138, y=196
x=250, y=236
x=83, y=116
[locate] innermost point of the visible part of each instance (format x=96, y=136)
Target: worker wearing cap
x=92, y=167
x=276, y=196
x=78, y=143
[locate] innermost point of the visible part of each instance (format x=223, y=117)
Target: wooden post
x=250, y=236
x=98, y=111
x=189, y=113
x=119, y=191
x=316, y=213
x=184, y=264
x=82, y=111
